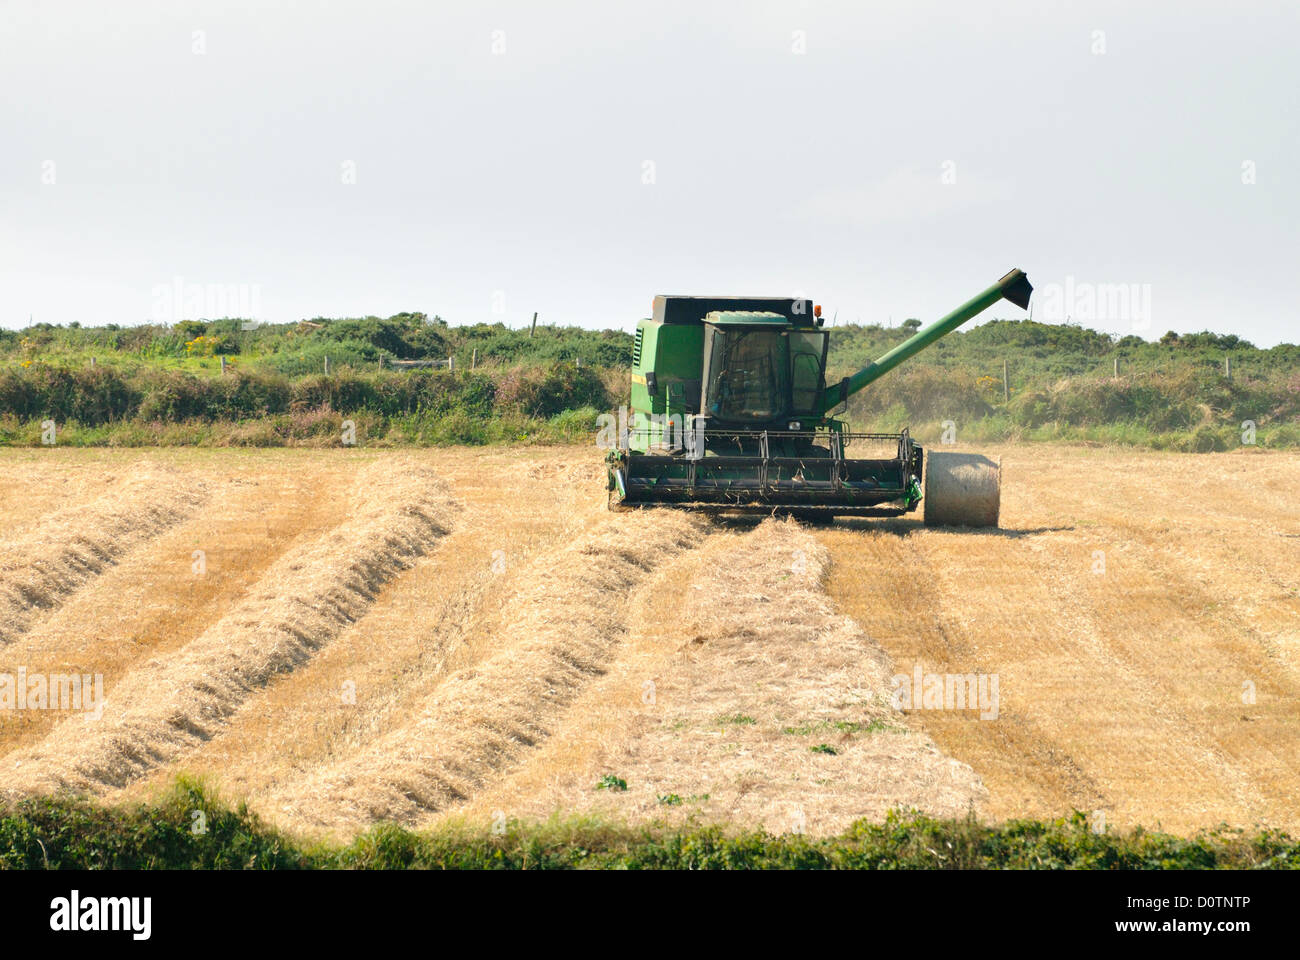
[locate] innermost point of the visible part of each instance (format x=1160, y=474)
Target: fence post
x=381, y=361
x=1006, y=384
x=327, y=366
x=451, y=364
x=533, y=328
x=223, y=366
x=473, y=359
x=1227, y=367
x=92, y=361
x=1117, y=366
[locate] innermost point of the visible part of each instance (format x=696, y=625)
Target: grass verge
x=189, y=828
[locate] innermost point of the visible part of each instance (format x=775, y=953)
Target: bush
x=1207, y=439
x=926, y=393
x=575, y=425
x=172, y=396
x=407, y=336
x=545, y=392
x=309, y=358
x=93, y=395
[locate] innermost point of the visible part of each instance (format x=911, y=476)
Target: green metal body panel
x=669, y=355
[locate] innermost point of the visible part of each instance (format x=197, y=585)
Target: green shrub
x=91, y=395
x=575, y=426
x=309, y=357
x=546, y=391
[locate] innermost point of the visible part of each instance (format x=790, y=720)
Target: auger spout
x=1014, y=287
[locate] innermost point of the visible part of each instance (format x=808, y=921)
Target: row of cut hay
x=773, y=647
x=559, y=632
x=394, y=513
x=435, y=620
x=771, y=709
x=72, y=546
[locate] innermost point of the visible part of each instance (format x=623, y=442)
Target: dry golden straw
x=78, y=542
x=394, y=514
x=560, y=632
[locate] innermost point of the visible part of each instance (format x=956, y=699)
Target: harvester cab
x=730, y=409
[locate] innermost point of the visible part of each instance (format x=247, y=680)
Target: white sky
x=515, y=180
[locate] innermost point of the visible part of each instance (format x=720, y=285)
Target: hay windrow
x=775, y=648
x=72, y=546
x=752, y=667
x=560, y=633
x=395, y=513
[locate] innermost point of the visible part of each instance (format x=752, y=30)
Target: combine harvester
x=731, y=411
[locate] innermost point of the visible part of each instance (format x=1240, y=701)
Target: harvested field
x=558, y=634
x=1143, y=614
x=394, y=513
x=96, y=521
x=743, y=697
x=468, y=634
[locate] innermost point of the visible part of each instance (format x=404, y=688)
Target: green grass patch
x=851, y=727
x=190, y=829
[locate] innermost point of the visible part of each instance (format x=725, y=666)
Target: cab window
x=807, y=351
x=749, y=374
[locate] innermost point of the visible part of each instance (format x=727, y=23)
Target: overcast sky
x=1141, y=162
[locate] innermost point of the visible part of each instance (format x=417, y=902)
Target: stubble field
x=344, y=637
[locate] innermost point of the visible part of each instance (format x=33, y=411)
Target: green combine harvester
x=731, y=411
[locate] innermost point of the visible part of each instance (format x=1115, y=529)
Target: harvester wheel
x=962, y=489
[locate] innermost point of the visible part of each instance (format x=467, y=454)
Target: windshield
x=763, y=375
x=749, y=374
x=756, y=374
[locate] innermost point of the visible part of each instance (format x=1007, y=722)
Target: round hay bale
x=962, y=489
